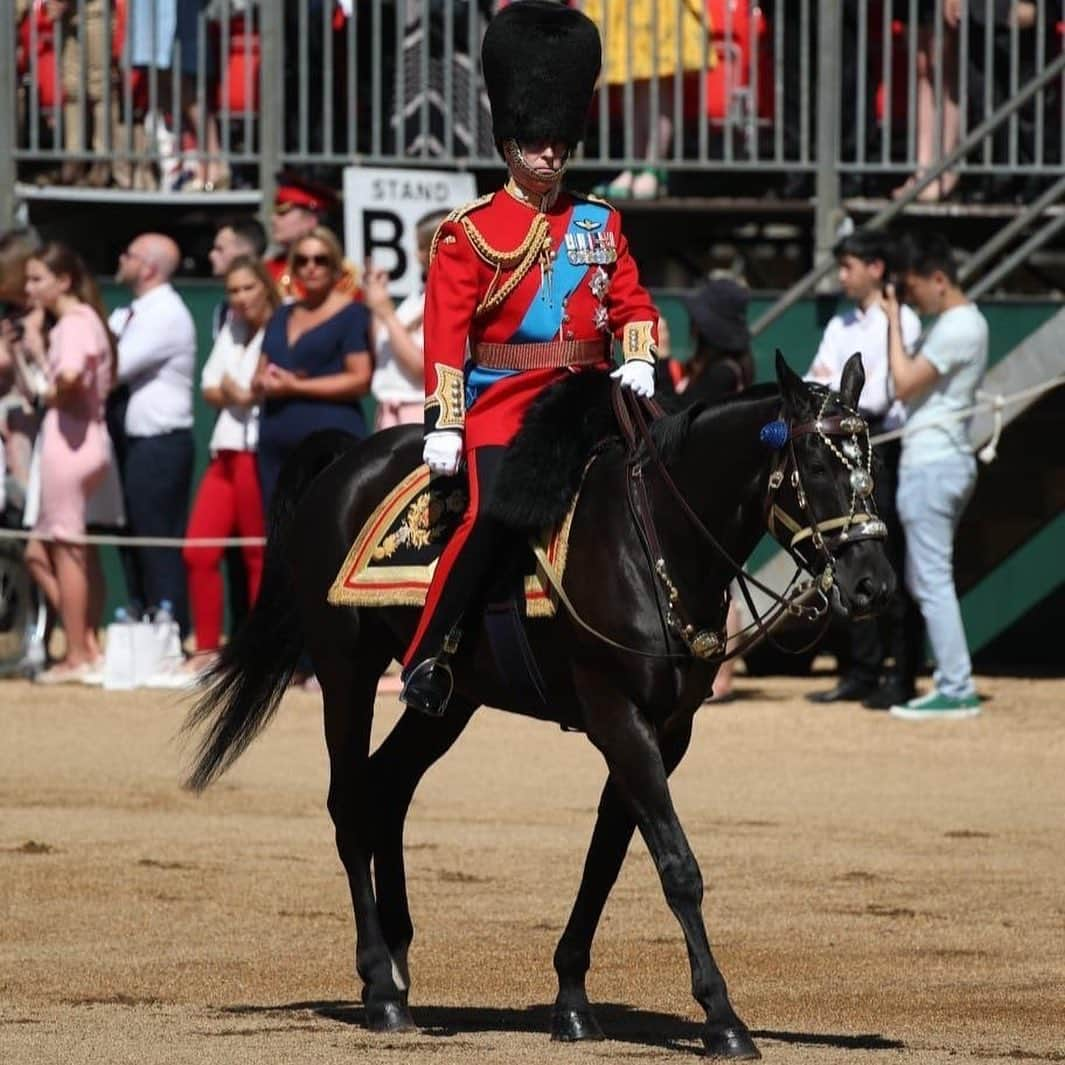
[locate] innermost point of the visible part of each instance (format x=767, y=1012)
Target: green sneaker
x=936, y=706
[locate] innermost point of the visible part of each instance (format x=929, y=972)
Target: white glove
x=443, y=452
x=638, y=376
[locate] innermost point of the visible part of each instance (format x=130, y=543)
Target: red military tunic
x=533, y=294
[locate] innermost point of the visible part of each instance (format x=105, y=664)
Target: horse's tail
x=242, y=690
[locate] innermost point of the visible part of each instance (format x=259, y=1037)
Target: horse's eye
x=818, y=469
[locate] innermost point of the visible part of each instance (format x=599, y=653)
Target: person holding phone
x=937, y=470
x=399, y=346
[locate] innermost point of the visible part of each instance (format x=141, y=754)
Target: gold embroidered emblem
x=637, y=342
x=423, y=523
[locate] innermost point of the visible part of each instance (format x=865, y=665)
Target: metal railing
x=825, y=261
x=136, y=95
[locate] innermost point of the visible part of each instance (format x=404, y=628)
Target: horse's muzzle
x=867, y=597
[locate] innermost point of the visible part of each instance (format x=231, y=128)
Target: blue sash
x=543, y=319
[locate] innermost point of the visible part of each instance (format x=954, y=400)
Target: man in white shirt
x=937, y=473
x=156, y=363
x=865, y=259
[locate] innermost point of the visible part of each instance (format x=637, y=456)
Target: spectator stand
x=752, y=173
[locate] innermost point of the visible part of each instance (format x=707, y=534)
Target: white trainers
x=61, y=674
x=173, y=675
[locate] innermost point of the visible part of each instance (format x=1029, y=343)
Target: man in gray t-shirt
x=937, y=471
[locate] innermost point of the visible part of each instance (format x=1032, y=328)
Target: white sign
x=382, y=209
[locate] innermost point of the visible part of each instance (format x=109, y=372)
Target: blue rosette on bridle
x=774, y=434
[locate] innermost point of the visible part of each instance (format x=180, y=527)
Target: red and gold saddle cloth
x=393, y=558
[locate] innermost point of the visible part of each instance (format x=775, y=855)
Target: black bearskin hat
x=540, y=61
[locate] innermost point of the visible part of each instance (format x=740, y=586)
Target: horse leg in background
x=349, y=677
x=396, y=767
x=572, y=1017
x=638, y=772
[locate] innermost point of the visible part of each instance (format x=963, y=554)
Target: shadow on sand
x=619, y=1022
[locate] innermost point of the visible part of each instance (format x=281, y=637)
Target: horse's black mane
x=670, y=434
x=572, y=421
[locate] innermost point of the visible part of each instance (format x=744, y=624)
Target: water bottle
x=119, y=671
x=168, y=639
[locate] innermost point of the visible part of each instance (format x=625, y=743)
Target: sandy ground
x=878, y=891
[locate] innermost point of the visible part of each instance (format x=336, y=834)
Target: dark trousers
x=476, y=551
x=898, y=633
x=156, y=479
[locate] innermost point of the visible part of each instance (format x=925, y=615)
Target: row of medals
x=591, y=249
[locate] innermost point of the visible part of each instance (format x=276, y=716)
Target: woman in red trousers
x=229, y=501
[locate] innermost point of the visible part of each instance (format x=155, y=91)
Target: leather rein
x=860, y=523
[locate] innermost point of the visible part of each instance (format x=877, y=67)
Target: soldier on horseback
x=538, y=282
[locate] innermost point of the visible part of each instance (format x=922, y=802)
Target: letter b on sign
x=383, y=232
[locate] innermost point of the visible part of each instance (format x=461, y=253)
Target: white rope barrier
x=117, y=540
x=996, y=404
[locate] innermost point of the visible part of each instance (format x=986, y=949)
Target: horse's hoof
x=389, y=1017
x=733, y=1043
x=571, y=1024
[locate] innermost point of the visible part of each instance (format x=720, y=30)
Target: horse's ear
x=792, y=388
x=852, y=381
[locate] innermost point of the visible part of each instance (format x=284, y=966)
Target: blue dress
x=319, y=352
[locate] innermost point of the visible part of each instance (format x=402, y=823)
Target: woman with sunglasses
x=315, y=364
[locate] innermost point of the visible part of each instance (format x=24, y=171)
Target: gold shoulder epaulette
x=457, y=215
x=466, y=208
x=595, y=199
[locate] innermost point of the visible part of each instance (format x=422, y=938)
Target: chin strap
x=534, y=186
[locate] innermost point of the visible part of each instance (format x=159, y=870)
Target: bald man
x=151, y=418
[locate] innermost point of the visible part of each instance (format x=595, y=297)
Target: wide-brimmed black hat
x=718, y=311
x=540, y=61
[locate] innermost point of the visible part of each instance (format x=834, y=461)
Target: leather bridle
x=861, y=521
x=822, y=534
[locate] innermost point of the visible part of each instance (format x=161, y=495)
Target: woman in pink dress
x=75, y=449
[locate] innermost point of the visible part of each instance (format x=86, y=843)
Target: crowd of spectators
x=145, y=107
x=97, y=411
x=91, y=403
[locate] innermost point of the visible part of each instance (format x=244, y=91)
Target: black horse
x=635, y=705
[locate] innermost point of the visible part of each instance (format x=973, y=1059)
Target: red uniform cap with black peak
x=540, y=60
x=294, y=190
